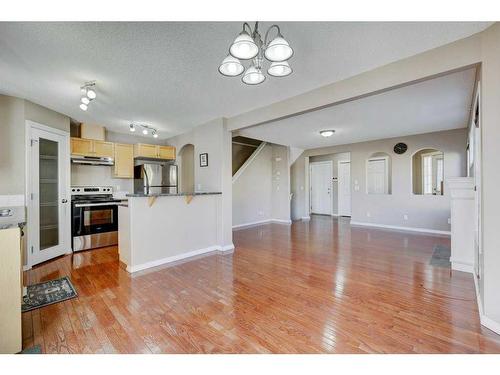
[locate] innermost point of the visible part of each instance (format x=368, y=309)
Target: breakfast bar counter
x=155, y=229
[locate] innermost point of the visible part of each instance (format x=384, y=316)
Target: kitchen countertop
x=174, y=194
x=17, y=218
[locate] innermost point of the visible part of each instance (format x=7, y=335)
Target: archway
x=185, y=161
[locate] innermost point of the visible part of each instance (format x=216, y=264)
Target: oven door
x=94, y=225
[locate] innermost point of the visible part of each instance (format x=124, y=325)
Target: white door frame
x=338, y=187
x=311, y=164
x=478, y=235
x=29, y=125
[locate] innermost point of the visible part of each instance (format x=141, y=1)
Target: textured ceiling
x=437, y=104
x=165, y=74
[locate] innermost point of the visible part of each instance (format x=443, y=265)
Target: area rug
x=441, y=256
x=37, y=349
x=47, y=293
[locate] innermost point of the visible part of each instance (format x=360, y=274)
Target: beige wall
x=13, y=114
x=490, y=122
x=11, y=145
x=428, y=212
x=252, y=190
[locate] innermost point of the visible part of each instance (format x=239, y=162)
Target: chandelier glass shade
x=248, y=45
x=231, y=67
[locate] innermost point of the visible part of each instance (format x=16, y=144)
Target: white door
x=49, y=225
x=344, y=183
x=321, y=188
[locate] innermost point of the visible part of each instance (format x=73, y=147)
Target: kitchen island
x=155, y=229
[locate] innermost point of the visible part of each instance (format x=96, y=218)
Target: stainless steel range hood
x=92, y=160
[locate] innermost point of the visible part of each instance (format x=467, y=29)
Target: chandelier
x=248, y=45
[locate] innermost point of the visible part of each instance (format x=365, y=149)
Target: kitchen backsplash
x=99, y=175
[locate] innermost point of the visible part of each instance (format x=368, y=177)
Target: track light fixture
x=88, y=91
x=145, y=129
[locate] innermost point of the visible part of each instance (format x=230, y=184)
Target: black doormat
x=441, y=256
x=47, y=293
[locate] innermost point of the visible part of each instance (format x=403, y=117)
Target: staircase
x=243, y=149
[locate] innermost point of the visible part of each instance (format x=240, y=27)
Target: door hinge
x=31, y=196
x=31, y=249
x=33, y=142
x=475, y=188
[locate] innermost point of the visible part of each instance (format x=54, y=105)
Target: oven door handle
x=96, y=204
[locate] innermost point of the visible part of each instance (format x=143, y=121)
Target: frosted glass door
x=49, y=193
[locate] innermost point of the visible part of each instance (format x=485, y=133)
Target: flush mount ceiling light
x=327, y=133
x=248, y=45
x=145, y=129
x=88, y=94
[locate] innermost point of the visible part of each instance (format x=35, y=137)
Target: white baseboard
x=261, y=222
x=305, y=218
x=410, y=229
x=281, y=221
x=26, y=267
x=461, y=266
x=175, y=258
x=484, y=320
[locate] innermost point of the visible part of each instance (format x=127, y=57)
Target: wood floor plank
x=313, y=287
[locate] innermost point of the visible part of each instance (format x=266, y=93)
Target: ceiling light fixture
x=145, y=129
x=327, y=133
x=249, y=45
x=88, y=94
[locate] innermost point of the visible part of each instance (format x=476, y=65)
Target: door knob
x=64, y=201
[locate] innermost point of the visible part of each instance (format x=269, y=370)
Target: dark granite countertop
x=173, y=194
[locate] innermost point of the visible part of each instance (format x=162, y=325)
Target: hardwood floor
x=313, y=287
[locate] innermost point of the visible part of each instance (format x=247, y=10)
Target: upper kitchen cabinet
x=103, y=149
x=124, y=161
x=166, y=152
x=145, y=150
x=154, y=151
x=81, y=146
x=90, y=147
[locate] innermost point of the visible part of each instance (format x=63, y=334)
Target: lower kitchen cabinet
x=10, y=291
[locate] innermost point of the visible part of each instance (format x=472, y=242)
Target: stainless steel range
x=94, y=221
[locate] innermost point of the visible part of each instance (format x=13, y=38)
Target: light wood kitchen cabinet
x=166, y=152
x=154, y=151
x=10, y=291
x=124, y=161
x=90, y=147
x=145, y=150
x=81, y=146
x=103, y=149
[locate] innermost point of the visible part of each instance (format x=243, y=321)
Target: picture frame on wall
x=204, y=160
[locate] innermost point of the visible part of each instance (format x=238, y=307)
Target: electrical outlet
x=405, y=217
x=302, y=188
x=449, y=220
x=368, y=214
x=261, y=213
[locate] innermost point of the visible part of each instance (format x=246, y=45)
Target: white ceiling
x=165, y=74
x=437, y=104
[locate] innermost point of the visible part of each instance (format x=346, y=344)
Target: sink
x=5, y=212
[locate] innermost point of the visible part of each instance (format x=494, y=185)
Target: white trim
x=262, y=222
x=26, y=267
x=249, y=161
x=251, y=224
x=395, y=227
x=305, y=218
x=484, y=320
x=175, y=258
x=460, y=266
x=281, y=221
